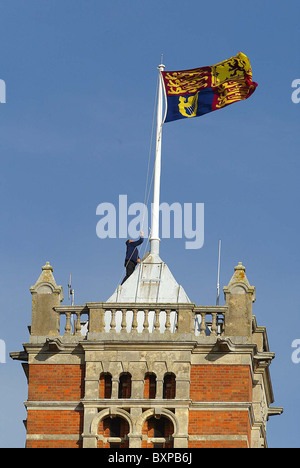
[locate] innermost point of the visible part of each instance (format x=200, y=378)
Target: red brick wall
x=54, y=422
x=219, y=423
x=209, y=383
x=62, y=382
x=53, y=444
x=221, y=383
x=56, y=382
x=218, y=444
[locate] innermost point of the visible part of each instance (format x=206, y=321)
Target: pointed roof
x=239, y=282
x=46, y=283
x=151, y=282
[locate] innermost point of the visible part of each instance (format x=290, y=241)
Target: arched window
x=125, y=385
x=158, y=433
x=113, y=433
x=105, y=385
x=169, y=387
x=150, y=386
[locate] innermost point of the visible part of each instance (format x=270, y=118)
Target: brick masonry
x=220, y=384
x=61, y=382
x=208, y=383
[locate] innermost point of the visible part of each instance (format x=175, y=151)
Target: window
x=125, y=386
x=115, y=427
x=150, y=386
x=169, y=387
x=113, y=433
x=158, y=432
x=159, y=427
x=105, y=386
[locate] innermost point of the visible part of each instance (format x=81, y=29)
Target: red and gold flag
x=191, y=93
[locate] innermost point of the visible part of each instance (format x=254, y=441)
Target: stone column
x=137, y=388
x=135, y=438
x=159, y=388
x=114, y=388
x=89, y=440
x=181, y=437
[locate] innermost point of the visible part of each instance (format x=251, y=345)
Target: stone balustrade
x=112, y=319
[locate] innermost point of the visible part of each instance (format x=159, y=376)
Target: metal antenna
x=71, y=291
x=218, y=280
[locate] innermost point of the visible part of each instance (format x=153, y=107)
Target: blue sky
x=75, y=132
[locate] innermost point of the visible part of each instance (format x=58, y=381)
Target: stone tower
x=147, y=368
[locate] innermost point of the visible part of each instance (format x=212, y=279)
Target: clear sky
x=75, y=132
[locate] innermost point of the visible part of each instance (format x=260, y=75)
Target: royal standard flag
x=191, y=93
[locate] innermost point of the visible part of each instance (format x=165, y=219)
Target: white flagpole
x=154, y=239
x=218, y=280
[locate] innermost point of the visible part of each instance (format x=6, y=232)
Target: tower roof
x=152, y=282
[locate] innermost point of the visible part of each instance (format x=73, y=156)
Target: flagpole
x=154, y=239
x=218, y=280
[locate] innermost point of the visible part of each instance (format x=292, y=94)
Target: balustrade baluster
x=223, y=326
x=113, y=321
x=134, y=321
x=203, y=324
x=156, y=322
x=68, y=324
x=146, y=320
x=176, y=321
x=123, y=323
x=168, y=321
x=78, y=324
x=214, y=324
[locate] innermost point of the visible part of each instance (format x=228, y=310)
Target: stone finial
x=239, y=283
x=46, y=283
x=47, y=267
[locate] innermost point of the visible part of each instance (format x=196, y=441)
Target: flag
x=191, y=93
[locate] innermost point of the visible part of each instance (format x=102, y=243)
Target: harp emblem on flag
x=188, y=105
